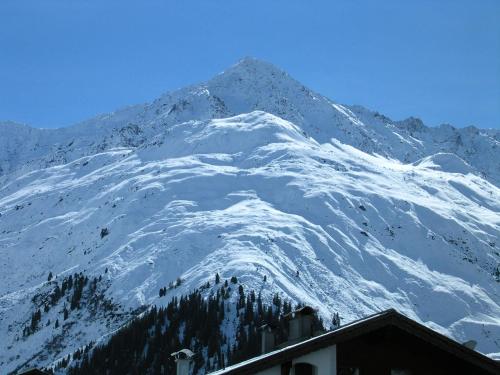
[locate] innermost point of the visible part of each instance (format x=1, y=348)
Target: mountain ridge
x=255, y=85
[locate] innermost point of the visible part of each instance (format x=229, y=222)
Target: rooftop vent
x=471, y=344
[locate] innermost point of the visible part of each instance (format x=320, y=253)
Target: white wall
x=276, y=370
x=325, y=361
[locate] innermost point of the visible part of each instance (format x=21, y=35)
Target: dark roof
x=357, y=328
x=306, y=310
x=182, y=354
x=33, y=371
x=268, y=326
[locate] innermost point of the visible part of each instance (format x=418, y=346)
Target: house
x=387, y=343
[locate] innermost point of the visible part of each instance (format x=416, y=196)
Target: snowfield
x=250, y=175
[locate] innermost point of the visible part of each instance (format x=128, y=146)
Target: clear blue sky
x=62, y=61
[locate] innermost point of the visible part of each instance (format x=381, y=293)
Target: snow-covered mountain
x=250, y=174
x=248, y=86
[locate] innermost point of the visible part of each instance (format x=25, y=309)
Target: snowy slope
x=252, y=175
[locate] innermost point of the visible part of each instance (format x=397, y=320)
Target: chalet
x=387, y=343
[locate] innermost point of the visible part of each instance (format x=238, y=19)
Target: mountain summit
x=247, y=86
x=258, y=179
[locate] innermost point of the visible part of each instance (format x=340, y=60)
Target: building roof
x=33, y=371
x=357, y=328
x=306, y=310
x=182, y=354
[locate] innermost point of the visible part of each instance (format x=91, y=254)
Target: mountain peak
x=252, y=64
x=250, y=69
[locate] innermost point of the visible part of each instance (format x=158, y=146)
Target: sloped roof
x=357, y=328
x=183, y=353
x=306, y=310
x=33, y=371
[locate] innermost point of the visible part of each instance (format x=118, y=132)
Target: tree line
x=194, y=321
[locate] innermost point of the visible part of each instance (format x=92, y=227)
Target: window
x=348, y=371
x=303, y=369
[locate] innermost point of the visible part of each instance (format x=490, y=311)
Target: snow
x=251, y=174
x=450, y=163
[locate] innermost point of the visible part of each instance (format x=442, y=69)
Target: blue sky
x=62, y=61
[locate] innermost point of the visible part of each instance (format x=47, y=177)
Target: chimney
x=300, y=324
x=267, y=338
x=183, y=361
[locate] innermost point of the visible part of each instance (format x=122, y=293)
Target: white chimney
x=300, y=324
x=268, y=338
x=183, y=361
